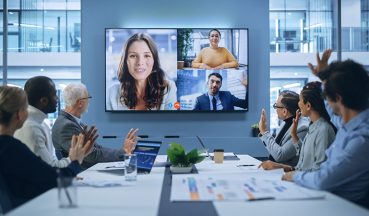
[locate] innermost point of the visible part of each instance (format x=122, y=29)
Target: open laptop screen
x=146, y=152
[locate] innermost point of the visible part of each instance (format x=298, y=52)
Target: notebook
x=146, y=152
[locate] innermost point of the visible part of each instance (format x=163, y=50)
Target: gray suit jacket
x=65, y=127
x=286, y=152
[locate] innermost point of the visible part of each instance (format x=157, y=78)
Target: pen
x=243, y=165
x=110, y=167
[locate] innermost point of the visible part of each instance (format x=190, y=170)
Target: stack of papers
x=235, y=188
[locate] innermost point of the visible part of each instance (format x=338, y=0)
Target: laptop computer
x=146, y=152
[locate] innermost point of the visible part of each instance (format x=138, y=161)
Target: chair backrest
x=5, y=203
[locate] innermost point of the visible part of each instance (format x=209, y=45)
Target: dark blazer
x=65, y=127
x=228, y=101
x=26, y=175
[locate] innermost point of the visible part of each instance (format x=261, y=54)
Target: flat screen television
x=176, y=70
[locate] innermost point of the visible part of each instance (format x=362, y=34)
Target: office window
x=299, y=29
x=300, y=25
x=355, y=30
x=44, y=38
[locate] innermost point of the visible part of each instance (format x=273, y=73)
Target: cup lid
x=218, y=150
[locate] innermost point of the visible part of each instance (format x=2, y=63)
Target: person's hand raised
x=322, y=63
x=90, y=134
x=263, y=122
x=79, y=148
x=130, y=141
x=294, y=125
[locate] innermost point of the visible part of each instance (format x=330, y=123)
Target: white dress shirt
x=36, y=134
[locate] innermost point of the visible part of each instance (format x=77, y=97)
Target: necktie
x=214, y=102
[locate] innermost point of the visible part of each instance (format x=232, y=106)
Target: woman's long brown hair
x=156, y=86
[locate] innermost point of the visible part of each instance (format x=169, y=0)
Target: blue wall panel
x=97, y=15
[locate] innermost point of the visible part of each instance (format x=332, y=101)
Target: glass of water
x=130, y=167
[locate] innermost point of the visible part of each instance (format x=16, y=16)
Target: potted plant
x=255, y=130
x=184, y=42
x=182, y=162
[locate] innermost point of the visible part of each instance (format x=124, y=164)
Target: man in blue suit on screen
x=215, y=99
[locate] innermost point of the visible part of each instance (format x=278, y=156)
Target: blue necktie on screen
x=214, y=102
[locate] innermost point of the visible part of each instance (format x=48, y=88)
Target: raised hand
x=130, y=141
x=90, y=134
x=263, y=122
x=294, y=125
x=79, y=148
x=322, y=63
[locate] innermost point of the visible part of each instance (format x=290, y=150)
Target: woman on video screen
x=143, y=85
x=214, y=57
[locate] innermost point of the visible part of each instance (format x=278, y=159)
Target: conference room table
x=150, y=195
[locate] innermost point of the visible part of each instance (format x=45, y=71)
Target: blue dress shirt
x=346, y=170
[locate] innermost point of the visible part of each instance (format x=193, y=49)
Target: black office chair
x=5, y=203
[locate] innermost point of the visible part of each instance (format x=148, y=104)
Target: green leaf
x=176, y=154
x=178, y=157
x=194, y=157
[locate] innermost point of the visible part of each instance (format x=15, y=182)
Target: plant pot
x=176, y=169
x=255, y=132
x=180, y=64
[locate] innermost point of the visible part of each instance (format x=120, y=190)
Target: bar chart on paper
x=235, y=187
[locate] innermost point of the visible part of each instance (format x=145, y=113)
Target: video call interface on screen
x=168, y=70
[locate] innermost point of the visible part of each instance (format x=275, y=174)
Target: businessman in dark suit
x=215, y=99
x=69, y=123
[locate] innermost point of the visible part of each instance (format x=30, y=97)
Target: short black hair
x=217, y=75
x=349, y=80
x=290, y=101
x=37, y=88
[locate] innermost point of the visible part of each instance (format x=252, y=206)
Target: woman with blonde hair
x=25, y=175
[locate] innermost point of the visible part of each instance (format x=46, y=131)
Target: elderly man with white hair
x=69, y=123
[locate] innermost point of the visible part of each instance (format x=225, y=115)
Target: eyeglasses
x=275, y=106
x=89, y=97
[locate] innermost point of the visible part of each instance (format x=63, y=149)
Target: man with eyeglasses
x=281, y=147
x=35, y=133
x=69, y=122
x=346, y=170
